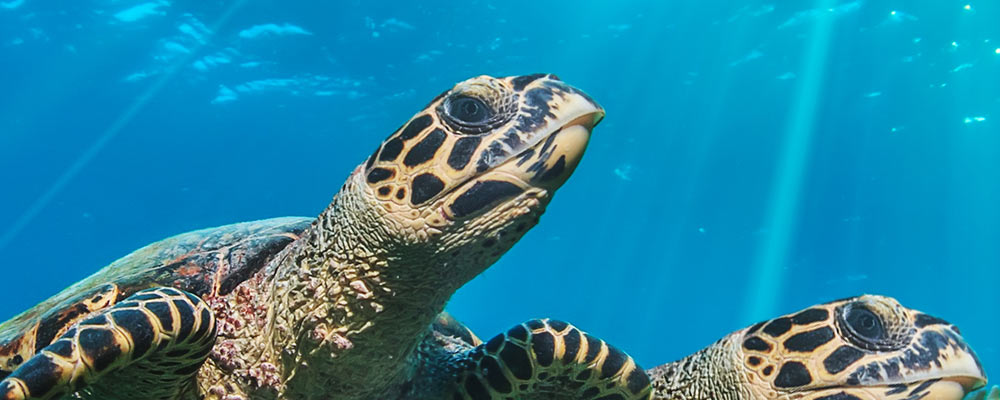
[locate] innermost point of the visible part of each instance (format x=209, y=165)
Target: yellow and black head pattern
x=483, y=142
x=861, y=348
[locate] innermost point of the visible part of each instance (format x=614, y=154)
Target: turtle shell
x=211, y=261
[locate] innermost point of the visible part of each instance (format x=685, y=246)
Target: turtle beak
x=956, y=370
x=550, y=162
x=564, y=151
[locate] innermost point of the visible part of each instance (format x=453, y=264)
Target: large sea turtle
x=330, y=308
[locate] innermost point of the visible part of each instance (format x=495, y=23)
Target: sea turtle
x=860, y=348
x=330, y=308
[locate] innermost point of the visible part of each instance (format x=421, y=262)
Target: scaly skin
x=380, y=309
x=710, y=373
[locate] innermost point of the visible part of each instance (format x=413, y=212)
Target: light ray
x=786, y=191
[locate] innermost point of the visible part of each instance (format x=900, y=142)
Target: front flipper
x=547, y=359
x=161, y=335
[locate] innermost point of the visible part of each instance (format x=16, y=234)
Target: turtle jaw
x=960, y=384
x=534, y=173
x=962, y=376
x=531, y=156
x=951, y=388
x=557, y=156
x=501, y=204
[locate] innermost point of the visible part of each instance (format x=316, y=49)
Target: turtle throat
x=363, y=284
x=709, y=374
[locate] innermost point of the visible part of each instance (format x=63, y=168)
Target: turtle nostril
x=955, y=328
x=554, y=77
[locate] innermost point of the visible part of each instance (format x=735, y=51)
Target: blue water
x=757, y=157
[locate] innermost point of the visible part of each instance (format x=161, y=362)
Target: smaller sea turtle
x=861, y=348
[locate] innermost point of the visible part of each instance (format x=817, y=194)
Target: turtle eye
x=477, y=109
x=469, y=110
x=865, y=324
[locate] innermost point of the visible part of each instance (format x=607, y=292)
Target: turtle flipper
x=163, y=329
x=549, y=359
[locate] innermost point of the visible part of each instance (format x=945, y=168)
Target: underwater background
x=757, y=157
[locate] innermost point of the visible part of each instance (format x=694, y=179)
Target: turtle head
x=473, y=170
x=861, y=348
